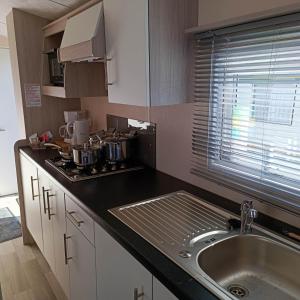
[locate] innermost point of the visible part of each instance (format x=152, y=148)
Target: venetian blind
x=246, y=126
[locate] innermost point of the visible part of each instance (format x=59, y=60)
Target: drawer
x=80, y=219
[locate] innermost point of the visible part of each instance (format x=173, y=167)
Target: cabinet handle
x=48, y=203
x=32, y=188
x=71, y=213
x=44, y=200
x=137, y=295
x=105, y=73
x=66, y=248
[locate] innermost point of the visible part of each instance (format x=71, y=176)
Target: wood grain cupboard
x=32, y=200
x=82, y=264
x=147, y=50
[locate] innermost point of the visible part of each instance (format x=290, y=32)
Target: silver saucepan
x=86, y=155
x=118, y=148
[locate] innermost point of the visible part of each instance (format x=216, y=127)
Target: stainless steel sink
x=253, y=267
x=194, y=235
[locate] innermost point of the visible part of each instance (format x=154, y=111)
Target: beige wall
x=218, y=13
x=174, y=123
x=3, y=41
x=174, y=140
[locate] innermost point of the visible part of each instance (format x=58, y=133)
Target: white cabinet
x=54, y=228
x=47, y=207
x=120, y=275
x=57, y=209
x=160, y=292
x=32, y=200
x=81, y=260
x=148, y=52
x=126, y=26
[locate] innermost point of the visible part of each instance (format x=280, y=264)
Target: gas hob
x=75, y=173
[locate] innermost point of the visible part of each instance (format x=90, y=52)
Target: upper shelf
x=81, y=79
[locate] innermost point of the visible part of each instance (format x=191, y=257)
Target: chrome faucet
x=248, y=214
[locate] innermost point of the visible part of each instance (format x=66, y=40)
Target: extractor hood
x=84, y=37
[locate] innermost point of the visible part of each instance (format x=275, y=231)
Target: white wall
x=8, y=122
x=218, y=13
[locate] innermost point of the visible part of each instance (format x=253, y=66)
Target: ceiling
x=49, y=9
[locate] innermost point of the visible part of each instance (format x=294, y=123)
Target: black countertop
x=96, y=196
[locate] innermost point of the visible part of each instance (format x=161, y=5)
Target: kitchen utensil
x=56, y=69
x=118, y=148
x=78, y=131
x=62, y=152
x=74, y=115
x=86, y=155
x=64, y=134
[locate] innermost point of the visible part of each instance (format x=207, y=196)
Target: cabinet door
x=82, y=265
x=160, y=292
x=59, y=230
x=119, y=275
x=32, y=200
x=47, y=199
x=127, y=47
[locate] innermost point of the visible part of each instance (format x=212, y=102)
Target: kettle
x=78, y=131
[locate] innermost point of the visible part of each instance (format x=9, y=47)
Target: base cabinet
x=47, y=200
x=160, y=292
x=80, y=256
x=32, y=200
x=120, y=275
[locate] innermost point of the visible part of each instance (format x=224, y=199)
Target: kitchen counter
x=96, y=196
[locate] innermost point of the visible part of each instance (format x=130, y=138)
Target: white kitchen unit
x=47, y=199
x=86, y=261
x=58, y=219
x=160, y=292
x=32, y=200
x=121, y=276
x=147, y=50
x=80, y=257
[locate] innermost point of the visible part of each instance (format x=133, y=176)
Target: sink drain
x=238, y=291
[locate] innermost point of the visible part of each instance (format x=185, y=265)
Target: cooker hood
x=84, y=37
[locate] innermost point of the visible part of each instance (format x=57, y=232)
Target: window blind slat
x=246, y=121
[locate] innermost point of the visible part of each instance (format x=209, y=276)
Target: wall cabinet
x=32, y=200
x=82, y=264
x=148, y=51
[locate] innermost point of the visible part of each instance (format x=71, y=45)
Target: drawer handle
x=48, y=203
x=32, y=187
x=44, y=200
x=67, y=258
x=137, y=295
x=71, y=213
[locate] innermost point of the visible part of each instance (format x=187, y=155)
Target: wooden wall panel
x=26, y=40
x=170, y=51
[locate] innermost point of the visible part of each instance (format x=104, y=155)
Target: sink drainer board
x=174, y=219
x=194, y=235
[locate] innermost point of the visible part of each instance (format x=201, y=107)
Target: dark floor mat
x=10, y=227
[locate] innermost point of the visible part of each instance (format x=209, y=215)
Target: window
x=246, y=131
